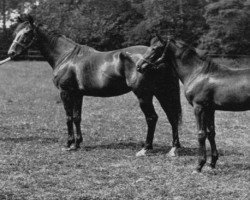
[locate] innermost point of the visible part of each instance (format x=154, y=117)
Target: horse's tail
x=179, y=103
x=176, y=95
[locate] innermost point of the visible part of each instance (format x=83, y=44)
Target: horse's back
x=110, y=73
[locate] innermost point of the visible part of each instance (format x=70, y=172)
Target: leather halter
x=26, y=46
x=154, y=66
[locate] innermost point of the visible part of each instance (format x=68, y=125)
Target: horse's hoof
x=196, y=171
x=141, y=153
x=66, y=149
x=173, y=152
x=71, y=148
x=74, y=147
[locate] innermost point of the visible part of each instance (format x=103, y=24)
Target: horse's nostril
x=140, y=69
x=11, y=53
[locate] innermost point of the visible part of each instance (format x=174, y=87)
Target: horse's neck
x=54, y=51
x=187, y=69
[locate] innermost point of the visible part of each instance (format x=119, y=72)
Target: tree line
x=220, y=26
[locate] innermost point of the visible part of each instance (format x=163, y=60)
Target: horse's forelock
x=25, y=18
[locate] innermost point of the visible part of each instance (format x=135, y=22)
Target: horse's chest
x=196, y=90
x=65, y=79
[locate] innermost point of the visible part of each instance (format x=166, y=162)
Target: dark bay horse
x=207, y=86
x=80, y=70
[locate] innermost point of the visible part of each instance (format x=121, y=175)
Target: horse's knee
x=152, y=119
x=77, y=119
x=69, y=120
x=202, y=136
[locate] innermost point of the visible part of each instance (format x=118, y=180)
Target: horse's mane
x=211, y=67
x=208, y=66
x=51, y=35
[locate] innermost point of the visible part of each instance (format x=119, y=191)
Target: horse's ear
x=19, y=19
x=30, y=19
x=160, y=38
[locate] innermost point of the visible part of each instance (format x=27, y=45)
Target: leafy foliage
x=101, y=24
x=184, y=21
x=229, y=31
x=113, y=24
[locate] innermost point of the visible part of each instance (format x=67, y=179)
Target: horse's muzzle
x=11, y=54
x=141, y=68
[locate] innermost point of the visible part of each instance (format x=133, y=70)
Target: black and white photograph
x=124, y=99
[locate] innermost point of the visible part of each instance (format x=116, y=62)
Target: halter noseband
x=22, y=45
x=30, y=43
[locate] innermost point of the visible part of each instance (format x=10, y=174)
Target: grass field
x=33, y=131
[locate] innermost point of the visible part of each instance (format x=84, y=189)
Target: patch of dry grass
x=33, y=130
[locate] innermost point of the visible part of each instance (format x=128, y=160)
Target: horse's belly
x=106, y=88
x=109, y=92
x=232, y=100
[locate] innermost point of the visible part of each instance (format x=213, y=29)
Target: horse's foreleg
x=77, y=111
x=211, y=137
x=201, y=127
x=147, y=108
x=68, y=106
x=173, y=112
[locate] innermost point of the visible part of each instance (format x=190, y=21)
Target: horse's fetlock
x=197, y=110
x=201, y=135
x=152, y=119
x=211, y=135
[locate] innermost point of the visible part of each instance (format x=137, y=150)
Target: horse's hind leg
x=200, y=116
x=173, y=112
x=77, y=111
x=147, y=108
x=211, y=137
x=68, y=106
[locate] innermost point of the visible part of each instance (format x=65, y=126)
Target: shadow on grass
x=232, y=168
x=193, y=151
x=159, y=149
x=37, y=139
x=113, y=145
x=241, y=166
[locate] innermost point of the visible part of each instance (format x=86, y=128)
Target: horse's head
x=152, y=54
x=156, y=54
x=164, y=52
x=24, y=35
